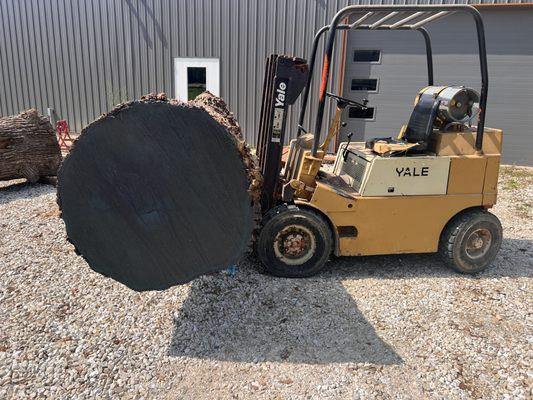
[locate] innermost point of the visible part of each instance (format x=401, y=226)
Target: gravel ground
x=371, y=327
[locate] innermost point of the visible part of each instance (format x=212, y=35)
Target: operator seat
x=420, y=126
x=415, y=136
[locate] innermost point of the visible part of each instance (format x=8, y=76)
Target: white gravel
x=373, y=327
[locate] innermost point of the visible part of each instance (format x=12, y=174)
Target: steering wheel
x=343, y=101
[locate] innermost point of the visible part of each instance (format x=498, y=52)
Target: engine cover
x=374, y=175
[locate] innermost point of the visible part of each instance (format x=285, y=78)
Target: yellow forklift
x=423, y=189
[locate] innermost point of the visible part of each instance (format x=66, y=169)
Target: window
x=359, y=113
x=193, y=76
x=367, y=56
x=196, y=82
x=366, y=84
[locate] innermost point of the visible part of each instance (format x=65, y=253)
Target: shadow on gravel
x=514, y=260
x=253, y=317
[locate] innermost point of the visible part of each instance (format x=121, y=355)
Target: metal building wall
x=83, y=56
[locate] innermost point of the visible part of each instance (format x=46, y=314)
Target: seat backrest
x=420, y=124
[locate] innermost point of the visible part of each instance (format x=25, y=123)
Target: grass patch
x=514, y=178
x=524, y=209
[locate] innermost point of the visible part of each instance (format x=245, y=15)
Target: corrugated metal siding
x=83, y=56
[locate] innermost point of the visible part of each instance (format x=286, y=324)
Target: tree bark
x=28, y=147
x=158, y=192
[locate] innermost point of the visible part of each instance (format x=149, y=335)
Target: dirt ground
x=369, y=327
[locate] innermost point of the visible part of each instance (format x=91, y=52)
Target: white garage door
x=389, y=68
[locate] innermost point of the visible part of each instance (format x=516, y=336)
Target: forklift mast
x=285, y=78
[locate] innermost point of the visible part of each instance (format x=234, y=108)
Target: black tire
x=294, y=242
x=470, y=241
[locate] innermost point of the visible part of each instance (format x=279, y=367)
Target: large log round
x=28, y=147
x=156, y=193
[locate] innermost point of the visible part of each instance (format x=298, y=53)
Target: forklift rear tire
x=294, y=242
x=471, y=241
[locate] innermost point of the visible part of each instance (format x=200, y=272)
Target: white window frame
x=212, y=75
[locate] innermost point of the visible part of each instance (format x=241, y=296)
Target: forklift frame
x=409, y=14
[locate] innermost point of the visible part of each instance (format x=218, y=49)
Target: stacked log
x=158, y=192
x=28, y=147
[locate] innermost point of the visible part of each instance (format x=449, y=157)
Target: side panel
x=490, y=185
x=463, y=143
x=466, y=175
x=389, y=225
x=400, y=176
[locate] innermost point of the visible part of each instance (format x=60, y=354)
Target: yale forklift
x=423, y=189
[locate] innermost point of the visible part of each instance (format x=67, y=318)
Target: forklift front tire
x=471, y=241
x=294, y=242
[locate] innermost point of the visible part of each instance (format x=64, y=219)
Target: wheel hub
x=478, y=243
x=294, y=244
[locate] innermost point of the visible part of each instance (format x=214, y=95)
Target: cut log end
x=158, y=192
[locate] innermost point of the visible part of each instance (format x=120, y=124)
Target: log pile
x=158, y=192
x=28, y=147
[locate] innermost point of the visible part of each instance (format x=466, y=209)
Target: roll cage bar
x=316, y=40
x=411, y=17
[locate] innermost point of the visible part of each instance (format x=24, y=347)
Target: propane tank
x=458, y=104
